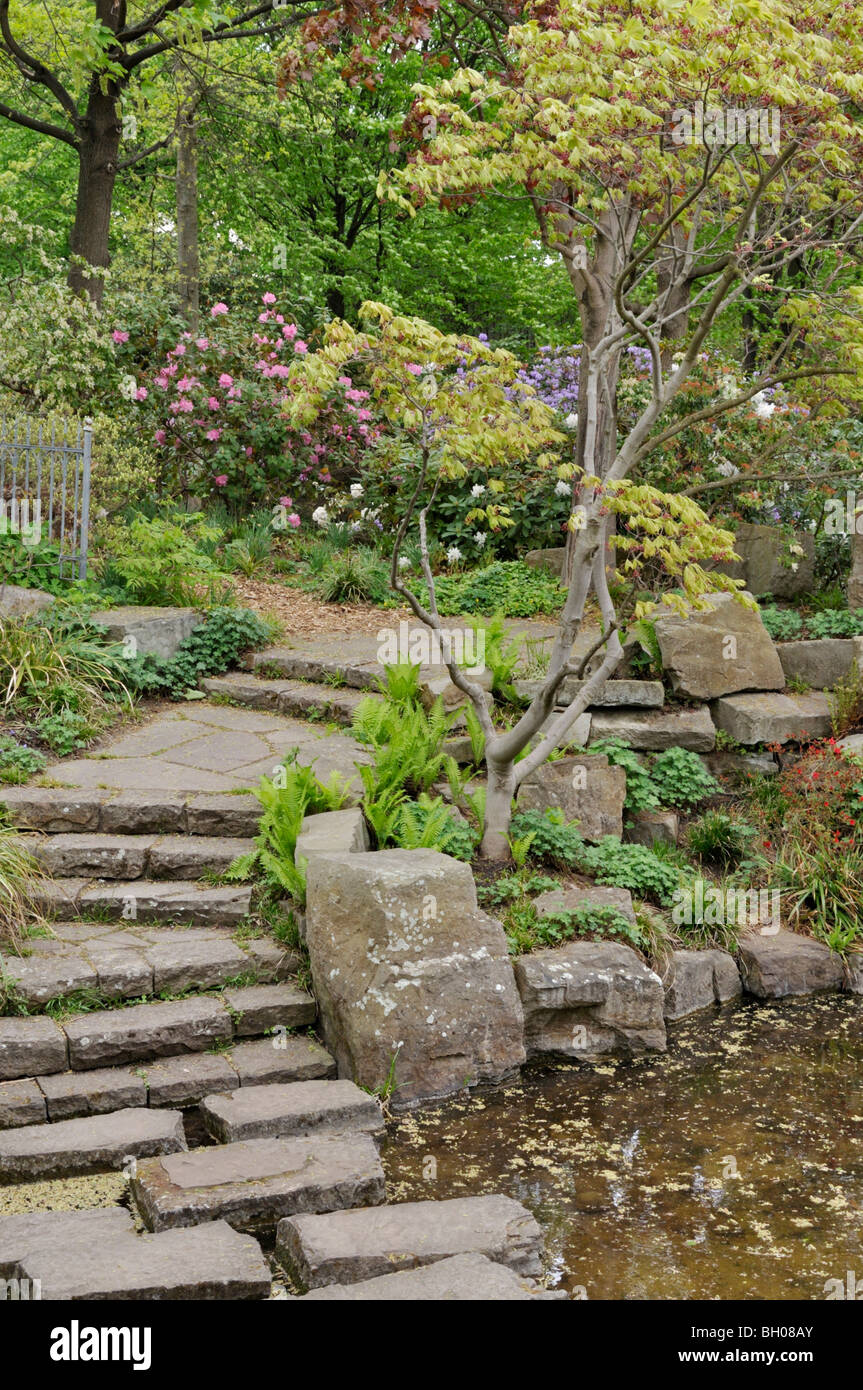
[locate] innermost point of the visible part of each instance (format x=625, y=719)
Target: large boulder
x=781, y=964
x=590, y=997
x=651, y=730
x=767, y=565
x=820, y=663
x=586, y=788
x=751, y=719
x=547, y=559
x=695, y=979
x=149, y=631
x=718, y=650
x=409, y=974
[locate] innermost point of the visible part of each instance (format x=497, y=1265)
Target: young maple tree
x=681, y=158
x=458, y=406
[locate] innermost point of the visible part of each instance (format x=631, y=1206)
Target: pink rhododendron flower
x=216, y=310
x=120, y=335
x=141, y=394
x=249, y=451
x=185, y=405
x=293, y=520
x=202, y=343
x=300, y=346
x=286, y=501
x=306, y=438
x=185, y=383
x=178, y=351
x=268, y=298
x=214, y=435
x=290, y=330
x=213, y=403
x=160, y=436
x=225, y=380
x=221, y=480
x=414, y=368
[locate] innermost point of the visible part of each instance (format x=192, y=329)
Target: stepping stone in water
x=35, y=1232
x=205, y=1262
x=345, y=1247
x=71, y=1094
x=115, y=1036
x=260, y=1008
x=30, y=1047
x=461, y=1279
x=86, y=1145
x=254, y=1183
x=305, y=1107
x=282, y=1059
x=21, y=1103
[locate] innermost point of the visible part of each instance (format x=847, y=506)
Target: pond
x=730, y=1167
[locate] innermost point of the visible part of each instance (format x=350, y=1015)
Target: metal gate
x=45, y=485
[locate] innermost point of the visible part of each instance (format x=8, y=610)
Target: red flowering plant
x=216, y=410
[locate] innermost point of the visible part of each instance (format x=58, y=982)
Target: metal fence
x=45, y=485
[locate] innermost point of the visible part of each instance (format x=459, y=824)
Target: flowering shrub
x=216, y=410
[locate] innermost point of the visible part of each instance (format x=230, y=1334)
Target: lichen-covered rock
x=784, y=963
x=409, y=974
x=695, y=979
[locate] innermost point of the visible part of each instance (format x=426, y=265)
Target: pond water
x=730, y=1167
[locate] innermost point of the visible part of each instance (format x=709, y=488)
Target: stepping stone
x=271, y=961
x=282, y=1059
x=71, y=1094
x=167, y=901
x=32, y=1233
x=461, y=1279
x=305, y=1107
x=145, y=1031
x=783, y=964
x=143, y=813
x=260, y=1008
x=186, y=1080
x=254, y=1183
x=92, y=855
x=215, y=813
x=345, y=1247
x=30, y=1047
x=184, y=964
x=329, y=831
x=124, y=972
x=21, y=1103
x=83, y=1146
x=58, y=897
x=53, y=809
x=190, y=856
x=41, y=978
x=206, y=1262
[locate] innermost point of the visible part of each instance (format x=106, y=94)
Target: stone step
x=176, y=1082
x=254, y=1183
x=301, y=666
x=460, y=1279
x=82, y=1255
x=55, y=810
x=104, y=856
x=350, y=1246
x=87, y=1145
x=280, y=1112
x=146, y=900
x=150, y=1032
x=290, y=697
x=135, y=963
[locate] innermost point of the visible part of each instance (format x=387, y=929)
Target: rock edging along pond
x=415, y=985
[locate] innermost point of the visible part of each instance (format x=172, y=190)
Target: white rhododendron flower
x=562, y=488
x=453, y=555
x=357, y=490
x=479, y=537
x=320, y=517
x=477, y=490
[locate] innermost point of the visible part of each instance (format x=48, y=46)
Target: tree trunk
x=188, y=256
x=498, y=811
x=98, y=155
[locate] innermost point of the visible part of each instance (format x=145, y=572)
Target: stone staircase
x=295, y=683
